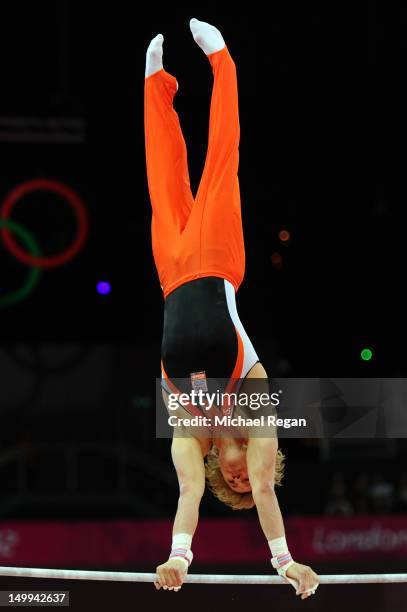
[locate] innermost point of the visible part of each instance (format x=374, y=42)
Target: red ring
x=65, y=192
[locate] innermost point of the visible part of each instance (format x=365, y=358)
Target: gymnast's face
x=233, y=465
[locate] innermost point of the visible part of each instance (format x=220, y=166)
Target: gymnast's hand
x=305, y=577
x=171, y=575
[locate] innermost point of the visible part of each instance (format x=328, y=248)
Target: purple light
x=103, y=288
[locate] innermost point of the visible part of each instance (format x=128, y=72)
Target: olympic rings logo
x=32, y=256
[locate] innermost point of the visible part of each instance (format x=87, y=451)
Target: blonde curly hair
x=221, y=489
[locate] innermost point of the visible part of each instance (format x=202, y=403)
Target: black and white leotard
x=203, y=334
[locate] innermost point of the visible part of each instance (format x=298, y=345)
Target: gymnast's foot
x=154, y=57
x=206, y=36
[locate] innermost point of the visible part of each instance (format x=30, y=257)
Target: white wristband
x=281, y=557
x=181, y=548
x=182, y=538
x=278, y=546
x=282, y=560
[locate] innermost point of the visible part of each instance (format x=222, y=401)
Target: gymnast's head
x=227, y=476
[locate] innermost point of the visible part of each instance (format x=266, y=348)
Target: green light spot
x=366, y=354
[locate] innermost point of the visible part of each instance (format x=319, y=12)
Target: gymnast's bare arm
x=189, y=464
x=261, y=461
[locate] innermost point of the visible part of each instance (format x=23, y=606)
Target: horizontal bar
x=67, y=574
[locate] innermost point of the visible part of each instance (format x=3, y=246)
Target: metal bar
x=67, y=574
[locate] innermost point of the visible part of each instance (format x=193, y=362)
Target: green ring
x=35, y=273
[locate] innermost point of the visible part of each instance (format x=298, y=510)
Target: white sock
x=154, y=57
x=206, y=36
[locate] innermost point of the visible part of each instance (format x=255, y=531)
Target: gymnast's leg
x=218, y=196
x=166, y=155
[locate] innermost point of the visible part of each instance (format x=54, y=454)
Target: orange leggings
x=193, y=238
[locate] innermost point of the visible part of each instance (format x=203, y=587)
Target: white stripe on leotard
x=250, y=355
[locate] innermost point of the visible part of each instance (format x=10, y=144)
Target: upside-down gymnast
x=198, y=250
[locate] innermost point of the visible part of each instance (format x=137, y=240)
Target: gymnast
x=198, y=251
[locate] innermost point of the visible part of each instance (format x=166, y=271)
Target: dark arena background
x=85, y=483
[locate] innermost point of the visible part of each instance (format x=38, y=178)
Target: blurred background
x=84, y=482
